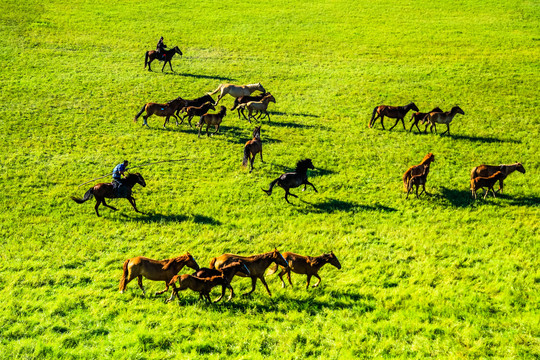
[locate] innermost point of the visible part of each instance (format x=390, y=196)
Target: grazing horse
x=164, y=110
x=166, y=57
x=488, y=170
x=196, y=102
x=246, y=99
x=418, y=170
x=236, y=90
x=256, y=265
x=417, y=116
x=201, y=285
x=192, y=111
x=293, y=179
x=307, y=265
x=418, y=180
x=395, y=112
x=253, y=147
x=442, y=118
x=259, y=106
x=105, y=190
x=481, y=182
x=228, y=271
x=156, y=270
x=212, y=119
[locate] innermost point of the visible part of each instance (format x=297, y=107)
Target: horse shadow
x=482, y=139
x=199, y=76
x=173, y=218
x=334, y=205
x=458, y=198
x=294, y=114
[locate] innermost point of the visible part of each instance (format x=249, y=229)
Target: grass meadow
x=441, y=276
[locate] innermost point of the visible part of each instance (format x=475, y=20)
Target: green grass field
x=440, y=276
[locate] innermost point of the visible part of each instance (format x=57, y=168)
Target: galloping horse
x=395, y=112
x=105, y=190
x=253, y=147
x=258, y=106
x=417, y=116
x=246, y=99
x=227, y=271
x=256, y=265
x=442, y=118
x=293, y=179
x=305, y=265
x=196, y=102
x=201, y=285
x=488, y=170
x=156, y=270
x=418, y=170
x=236, y=90
x=164, y=110
x=212, y=119
x=192, y=111
x=166, y=57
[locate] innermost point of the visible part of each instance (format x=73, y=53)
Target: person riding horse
x=160, y=48
x=117, y=174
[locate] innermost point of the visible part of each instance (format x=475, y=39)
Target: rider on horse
x=117, y=174
x=160, y=48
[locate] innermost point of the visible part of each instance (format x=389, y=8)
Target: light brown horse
x=164, y=110
x=236, y=90
x=256, y=264
x=417, y=116
x=253, y=147
x=192, y=111
x=201, y=285
x=418, y=170
x=488, y=170
x=394, y=112
x=481, y=182
x=246, y=99
x=307, y=265
x=106, y=190
x=418, y=180
x=212, y=119
x=166, y=57
x=442, y=118
x=228, y=271
x=156, y=270
x=257, y=106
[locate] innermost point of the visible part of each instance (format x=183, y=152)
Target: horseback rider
x=160, y=48
x=118, y=173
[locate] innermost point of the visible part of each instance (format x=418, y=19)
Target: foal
x=418, y=180
x=417, y=116
x=488, y=170
x=258, y=106
x=201, y=285
x=212, y=119
x=192, y=111
x=442, y=118
x=253, y=147
x=228, y=271
x=417, y=170
x=481, y=182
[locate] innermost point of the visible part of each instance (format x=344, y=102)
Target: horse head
x=304, y=165
x=520, y=168
x=140, y=180
x=333, y=260
x=191, y=262
x=457, y=110
x=279, y=259
x=413, y=106
x=178, y=51
x=257, y=132
x=260, y=87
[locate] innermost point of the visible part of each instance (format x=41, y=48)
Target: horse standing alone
x=168, y=55
x=293, y=179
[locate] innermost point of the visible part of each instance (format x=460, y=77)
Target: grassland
x=442, y=276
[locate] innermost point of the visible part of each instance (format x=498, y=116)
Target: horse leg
x=189, y=120
x=253, y=282
x=265, y=285
x=109, y=206
x=318, y=282
x=150, y=62
x=132, y=202
x=97, y=205
x=308, y=280
x=139, y=281
x=308, y=183
x=372, y=121
x=281, y=273
x=382, y=124
x=252, y=158
x=163, y=291
x=173, y=295
x=423, y=189
x=145, y=118
x=217, y=128
x=261, y=154
x=170, y=64
x=500, y=185
x=207, y=127
x=397, y=121
x=447, y=129
x=166, y=121
x=164, y=63
x=288, y=271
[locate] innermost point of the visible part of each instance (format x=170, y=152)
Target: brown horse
x=156, y=270
x=257, y=106
x=481, y=182
x=418, y=180
x=201, y=285
x=192, y=111
x=166, y=57
x=256, y=264
x=307, y=265
x=212, y=119
x=245, y=100
x=394, y=112
x=488, y=170
x=293, y=179
x=417, y=116
x=228, y=271
x=196, y=102
x=105, y=190
x=442, y=118
x=253, y=147
x=418, y=170
x=164, y=110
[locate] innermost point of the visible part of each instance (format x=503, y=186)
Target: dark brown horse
x=394, y=112
x=253, y=147
x=417, y=170
x=196, y=102
x=307, y=265
x=245, y=100
x=256, y=265
x=192, y=111
x=228, y=271
x=156, y=270
x=166, y=57
x=417, y=116
x=488, y=170
x=164, y=110
x=105, y=190
x=481, y=182
x=212, y=119
x=293, y=179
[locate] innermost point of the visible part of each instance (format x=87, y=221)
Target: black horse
x=293, y=179
x=166, y=57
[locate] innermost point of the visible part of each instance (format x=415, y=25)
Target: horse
x=236, y=90
x=253, y=147
x=164, y=110
x=395, y=112
x=166, y=57
x=293, y=179
x=246, y=99
x=156, y=270
x=192, y=111
x=256, y=265
x=488, y=170
x=259, y=106
x=105, y=190
x=196, y=102
x=228, y=271
x=201, y=285
x=481, y=182
x=418, y=180
x=307, y=265
x=418, y=169
x=442, y=118
x=212, y=119
x=417, y=116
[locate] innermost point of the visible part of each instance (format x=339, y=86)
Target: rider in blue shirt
x=118, y=172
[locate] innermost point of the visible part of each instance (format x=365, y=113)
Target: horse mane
x=429, y=157
x=176, y=259
x=303, y=164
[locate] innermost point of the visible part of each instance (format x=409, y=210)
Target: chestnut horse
x=418, y=180
x=196, y=102
x=394, y=112
x=307, y=265
x=256, y=265
x=201, y=285
x=164, y=110
x=228, y=271
x=481, y=182
x=166, y=57
x=253, y=147
x=236, y=90
x=418, y=169
x=417, y=116
x=212, y=119
x=293, y=179
x=488, y=170
x=156, y=270
x=442, y=118
x=192, y=111
x=105, y=190
x=259, y=106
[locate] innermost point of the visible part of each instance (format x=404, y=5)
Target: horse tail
x=473, y=173
x=406, y=177
x=373, y=116
x=212, y=263
x=272, y=184
x=139, y=113
x=145, y=59
x=273, y=270
x=215, y=91
x=87, y=196
x=122, y=285
x=246, y=155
